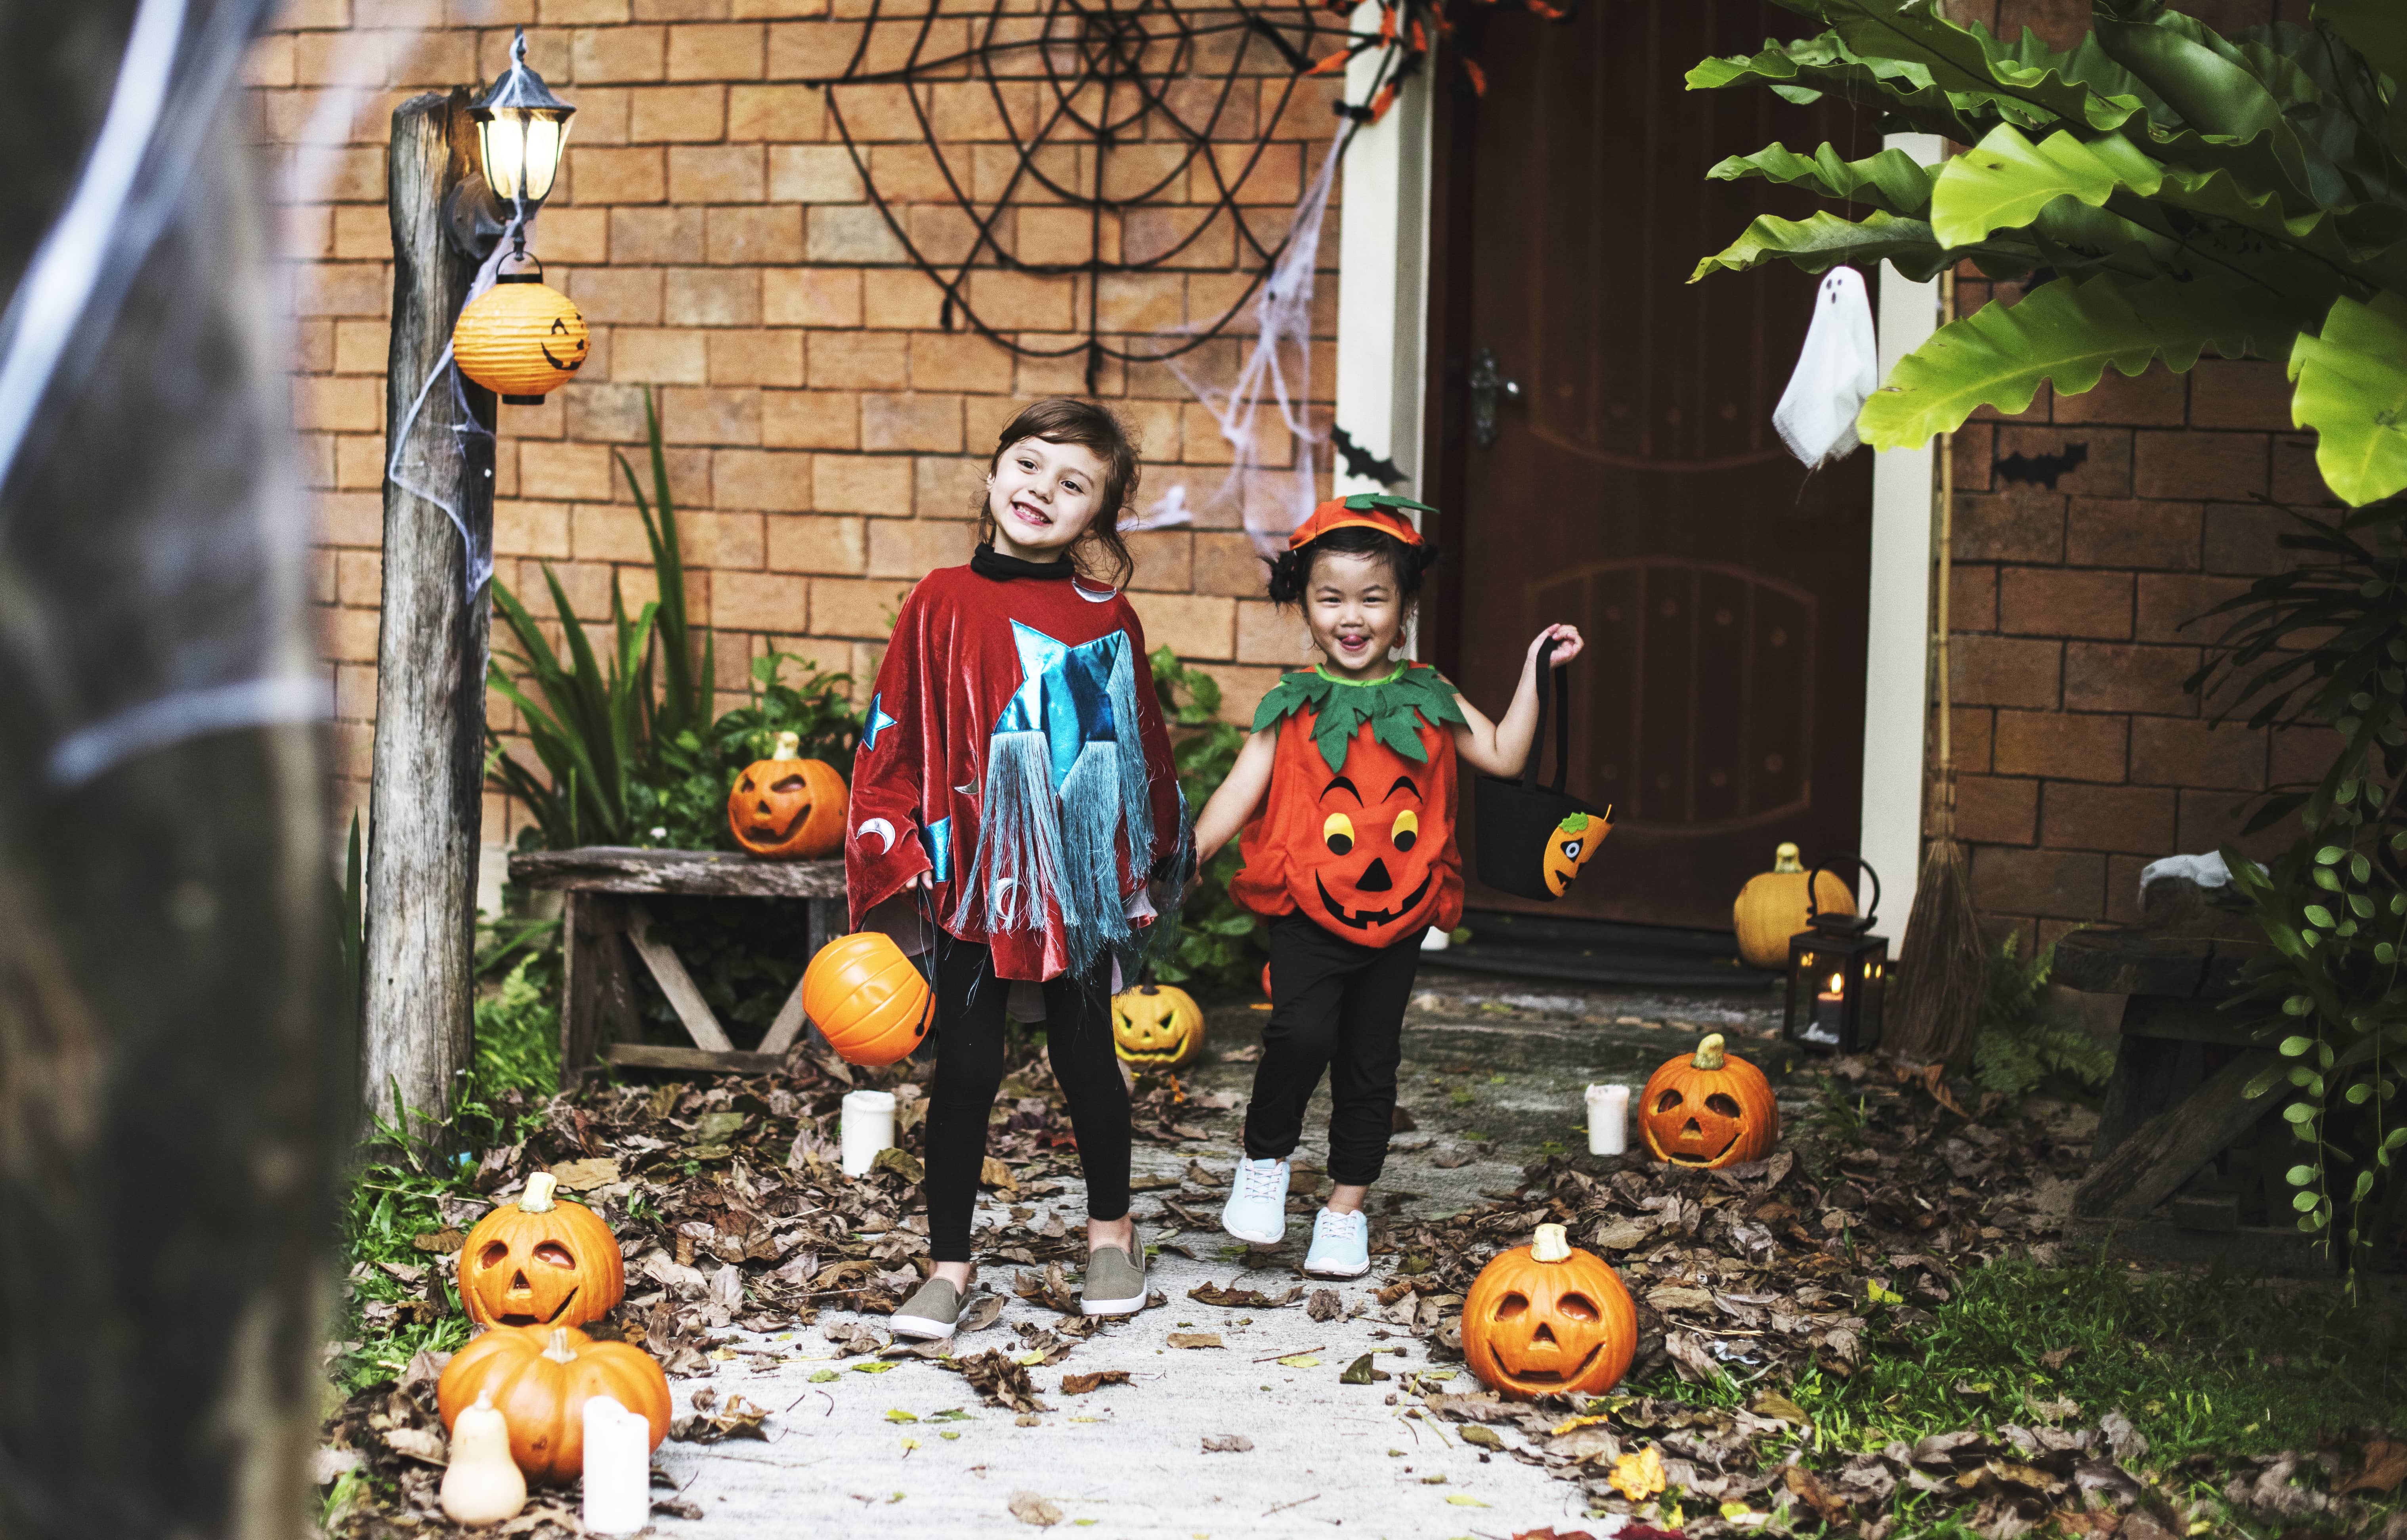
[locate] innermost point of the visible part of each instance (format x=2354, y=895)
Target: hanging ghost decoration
x=1838, y=368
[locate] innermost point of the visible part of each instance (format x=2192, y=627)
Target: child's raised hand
x=1567, y=644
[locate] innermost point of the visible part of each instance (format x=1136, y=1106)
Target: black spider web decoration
x=1105, y=73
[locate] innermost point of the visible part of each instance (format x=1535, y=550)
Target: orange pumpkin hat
x=1376, y=510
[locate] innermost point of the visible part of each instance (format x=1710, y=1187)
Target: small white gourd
x=482, y=1485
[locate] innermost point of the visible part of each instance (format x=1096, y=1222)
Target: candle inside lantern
x=618, y=1468
x=1827, y=1008
x=868, y=1124
x=1608, y=1120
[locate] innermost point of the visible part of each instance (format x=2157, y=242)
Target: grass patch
x=388, y=1317
x=2200, y=1363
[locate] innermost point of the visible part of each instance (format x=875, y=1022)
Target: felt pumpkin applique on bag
x=1358, y=831
x=1535, y=840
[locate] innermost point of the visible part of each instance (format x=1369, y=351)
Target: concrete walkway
x=1493, y=1072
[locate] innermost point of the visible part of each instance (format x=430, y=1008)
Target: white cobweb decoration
x=1276, y=376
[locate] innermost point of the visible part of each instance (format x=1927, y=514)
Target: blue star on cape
x=1066, y=694
x=878, y=721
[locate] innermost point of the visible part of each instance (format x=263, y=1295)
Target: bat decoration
x=1362, y=462
x=2042, y=470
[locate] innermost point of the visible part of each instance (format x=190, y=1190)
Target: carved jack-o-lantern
x=1712, y=1108
x=787, y=807
x=1157, y=1027
x=1571, y=846
x=540, y=1262
x=1546, y=1318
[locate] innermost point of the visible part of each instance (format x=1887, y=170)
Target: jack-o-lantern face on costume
x=540, y=1262
x=1372, y=870
x=1548, y=1320
x=787, y=807
x=1708, y=1109
x=1571, y=846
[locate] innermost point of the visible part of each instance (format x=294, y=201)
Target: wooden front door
x=1636, y=488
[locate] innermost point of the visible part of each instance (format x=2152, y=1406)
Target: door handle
x=1488, y=384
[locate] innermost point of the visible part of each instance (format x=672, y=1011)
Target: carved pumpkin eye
x=554, y=1253
x=1577, y=1307
x=493, y=1254
x=1723, y=1102
x=1512, y=1307
x=1409, y=829
x=743, y=784
x=1670, y=1100
x=791, y=783
x=1338, y=831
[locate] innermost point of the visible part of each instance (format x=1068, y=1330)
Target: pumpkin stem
x=537, y=1197
x=1785, y=859
x=1709, y=1051
x=559, y=1352
x=788, y=745
x=1550, y=1244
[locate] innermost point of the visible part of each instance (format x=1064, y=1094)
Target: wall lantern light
x=1838, y=976
x=522, y=129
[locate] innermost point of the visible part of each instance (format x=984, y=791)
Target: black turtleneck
x=986, y=562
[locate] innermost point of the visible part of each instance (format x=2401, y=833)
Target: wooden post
x=172, y=1082
x=426, y=798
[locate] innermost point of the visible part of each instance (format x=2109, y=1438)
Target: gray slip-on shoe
x=1115, y=1283
x=930, y=1312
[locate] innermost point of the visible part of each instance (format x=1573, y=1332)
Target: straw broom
x=1944, y=968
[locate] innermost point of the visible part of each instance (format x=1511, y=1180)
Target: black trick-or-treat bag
x=1535, y=840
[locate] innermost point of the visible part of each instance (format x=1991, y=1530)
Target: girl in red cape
x=1014, y=785
x=1347, y=794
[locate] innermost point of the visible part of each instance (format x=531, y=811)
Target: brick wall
x=2081, y=758
x=826, y=431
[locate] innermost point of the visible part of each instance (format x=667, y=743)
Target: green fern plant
x=2019, y=1049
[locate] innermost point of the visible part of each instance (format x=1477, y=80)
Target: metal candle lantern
x=1838, y=975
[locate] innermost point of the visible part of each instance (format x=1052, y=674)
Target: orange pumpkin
x=867, y=999
x=1157, y=1027
x=787, y=807
x=540, y=1262
x=522, y=339
x=1571, y=846
x=1548, y=1319
x=1773, y=906
x=540, y=1380
x=1707, y=1109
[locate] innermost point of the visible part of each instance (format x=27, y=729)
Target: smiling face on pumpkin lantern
x=1708, y=1110
x=1372, y=868
x=540, y=1262
x=1548, y=1320
x=787, y=807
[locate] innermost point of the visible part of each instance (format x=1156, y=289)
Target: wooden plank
x=2191, y=1021
x=427, y=779
x=2149, y=1166
x=701, y=1060
x=714, y=873
x=2255, y=1250
x=789, y=1024
x=600, y=997
x=2109, y=961
x=674, y=982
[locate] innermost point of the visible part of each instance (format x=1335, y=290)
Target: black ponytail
x=1292, y=573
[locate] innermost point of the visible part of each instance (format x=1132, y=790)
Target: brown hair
x=1064, y=420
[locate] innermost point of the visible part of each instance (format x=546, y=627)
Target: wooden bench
x=604, y=888
x=2176, y=1131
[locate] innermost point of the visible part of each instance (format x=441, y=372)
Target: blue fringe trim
x=1135, y=783
x=1019, y=837
x=1091, y=823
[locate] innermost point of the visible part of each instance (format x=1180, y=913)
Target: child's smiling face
x=1355, y=613
x=1043, y=495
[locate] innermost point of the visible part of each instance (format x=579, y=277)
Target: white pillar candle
x=867, y=1123
x=618, y=1468
x=1608, y=1120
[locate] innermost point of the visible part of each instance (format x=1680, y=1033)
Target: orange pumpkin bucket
x=867, y=999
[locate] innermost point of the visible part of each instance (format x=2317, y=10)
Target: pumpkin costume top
x=1356, y=830
x=1014, y=747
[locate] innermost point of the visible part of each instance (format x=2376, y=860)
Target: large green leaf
x=2218, y=97
x=1960, y=60
x=1803, y=71
x=1824, y=240
x=2352, y=389
x=2375, y=28
x=1892, y=181
x=2006, y=179
x=2065, y=334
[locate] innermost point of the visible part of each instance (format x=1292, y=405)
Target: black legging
x=1337, y=1008
x=969, y=1072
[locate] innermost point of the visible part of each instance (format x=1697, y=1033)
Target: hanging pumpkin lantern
x=540, y=1262
x=540, y=1380
x=1707, y=1109
x=787, y=807
x=1774, y=907
x=521, y=339
x=867, y=999
x=1157, y=1027
x=1548, y=1319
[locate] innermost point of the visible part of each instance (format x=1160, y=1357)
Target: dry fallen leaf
x=418, y=1443
x=2055, y=1358
x=1081, y=1384
x=995, y=1173
x=586, y=1175
x=2385, y=1466
x=1226, y=1444
x=1031, y=1508
x=1195, y=1339
x=1639, y=1476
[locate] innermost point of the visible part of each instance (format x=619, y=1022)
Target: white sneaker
x=1341, y=1245
x=1257, y=1207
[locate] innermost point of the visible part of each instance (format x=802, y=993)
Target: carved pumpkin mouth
x=1363, y=919
x=523, y=1319
x=1688, y=1148
x=1554, y=1376
x=1151, y=1056
x=771, y=833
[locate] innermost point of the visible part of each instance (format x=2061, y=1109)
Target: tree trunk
x=426, y=798
x=171, y=1074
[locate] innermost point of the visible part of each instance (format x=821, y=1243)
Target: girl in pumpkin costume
x=1345, y=792
x=1014, y=783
